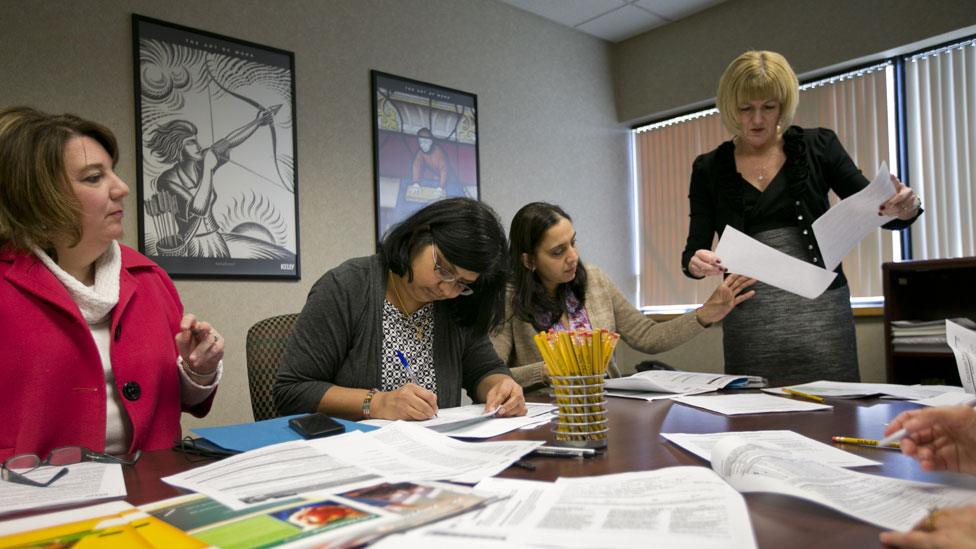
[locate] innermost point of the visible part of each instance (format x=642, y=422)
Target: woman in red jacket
x=96, y=351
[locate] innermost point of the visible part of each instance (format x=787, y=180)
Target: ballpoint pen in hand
x=406, y=366
x=902, y=433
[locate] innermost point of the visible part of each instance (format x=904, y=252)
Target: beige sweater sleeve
x=637, y=330
x=513, y=343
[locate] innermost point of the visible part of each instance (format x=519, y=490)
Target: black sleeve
x=479, y=360
x=843, y=176
x=701, y=223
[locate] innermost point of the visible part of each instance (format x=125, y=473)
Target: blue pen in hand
x=406, y=366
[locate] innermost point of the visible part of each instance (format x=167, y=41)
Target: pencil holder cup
x=581, y=402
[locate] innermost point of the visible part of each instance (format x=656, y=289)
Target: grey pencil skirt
x=787, y=338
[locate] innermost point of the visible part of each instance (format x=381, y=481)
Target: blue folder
x=248, y=436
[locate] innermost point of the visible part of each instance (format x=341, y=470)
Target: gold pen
x=791, y=392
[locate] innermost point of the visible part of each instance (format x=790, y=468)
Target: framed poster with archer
x=215, y=130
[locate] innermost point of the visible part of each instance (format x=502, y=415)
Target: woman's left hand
x=200, y=346
x=506, y=395
x=903, y=205
x=729, y=293
x=950, y=528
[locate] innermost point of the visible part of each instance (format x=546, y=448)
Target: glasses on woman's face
x=16, y=468
x=448, y=276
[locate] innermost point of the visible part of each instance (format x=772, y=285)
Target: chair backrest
x=266, y=342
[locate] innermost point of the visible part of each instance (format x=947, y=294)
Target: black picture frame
x=406, y=112
x=216, y=154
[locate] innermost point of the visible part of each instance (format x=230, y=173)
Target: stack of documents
x=654, y=384
x=924, y=335
x=732, y=405
x=400, y=451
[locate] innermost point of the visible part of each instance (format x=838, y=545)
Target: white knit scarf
x=95, y=302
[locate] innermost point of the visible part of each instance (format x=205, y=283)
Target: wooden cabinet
x=926, y=290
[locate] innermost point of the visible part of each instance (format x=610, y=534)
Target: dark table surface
x=635, y=445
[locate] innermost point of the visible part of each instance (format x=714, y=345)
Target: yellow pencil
x=804, y=395
x=865, y=442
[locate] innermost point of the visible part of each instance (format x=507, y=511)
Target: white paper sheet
x=86, y=481
x=406, y=451
x=491, y=426
x=665, y=381
x=845, y=389
x=844, y=225
x=955, y=398
x=745, y=255
x=670, y=507
x=702, y=444
x=889, y=503
x=731, y=405
x=962, y=341
x=399, y=452
x=275, y=472
x=651, y=396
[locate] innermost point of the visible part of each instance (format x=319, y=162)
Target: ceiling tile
x=567, y=12
x=676, y=9
x=622, y=24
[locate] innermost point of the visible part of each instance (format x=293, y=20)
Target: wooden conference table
x=635, y=445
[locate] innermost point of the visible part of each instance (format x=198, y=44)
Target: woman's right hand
x=410, y=402
x=705, y=263
x=942, y=438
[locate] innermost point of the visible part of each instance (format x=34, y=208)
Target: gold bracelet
x=367, y=402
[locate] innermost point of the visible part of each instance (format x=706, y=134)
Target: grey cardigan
x=338, y=339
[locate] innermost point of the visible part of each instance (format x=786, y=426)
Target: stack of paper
x=924, y=335
x=85, y=482
x=653, y=384
x=731, y=405
x=921, y=394
x=473, y=422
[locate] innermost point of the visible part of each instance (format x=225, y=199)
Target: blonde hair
x=37, y=203
x=757, y=75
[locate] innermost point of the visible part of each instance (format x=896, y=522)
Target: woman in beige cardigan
x=551, y=288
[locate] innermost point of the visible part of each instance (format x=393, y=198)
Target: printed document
x=745, y=255
x=789, y=441
x=962, y=341
x=889, y=503
x=85, y=482
x=665, y=381
x=845, y=389
x=731, y=405
x=670, y=507
x=473, y=422
x=400, y=451
x=845, y=224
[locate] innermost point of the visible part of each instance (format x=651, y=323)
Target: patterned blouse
x=401, y=333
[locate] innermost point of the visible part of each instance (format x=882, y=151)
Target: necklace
x=418, y=329
x=760, y=171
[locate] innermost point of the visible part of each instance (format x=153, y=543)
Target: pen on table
x=866, y=442
x=521, y=463
x=406, y=366
x=792, y=392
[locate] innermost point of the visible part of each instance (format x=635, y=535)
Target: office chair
x=266, y=341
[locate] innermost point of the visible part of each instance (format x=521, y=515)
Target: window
x=856, y=105
x=940, y=107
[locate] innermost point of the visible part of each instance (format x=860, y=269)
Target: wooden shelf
x=926, y=290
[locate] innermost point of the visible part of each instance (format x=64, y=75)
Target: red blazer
x=52, y=391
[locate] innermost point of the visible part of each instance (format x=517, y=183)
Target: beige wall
x=546, y=119
x=547, y=129
x=678, y=65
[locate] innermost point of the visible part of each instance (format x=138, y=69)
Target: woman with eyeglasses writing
x=398, y=334
x=96, y=349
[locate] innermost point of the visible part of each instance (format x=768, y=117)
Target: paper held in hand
x=837, y=232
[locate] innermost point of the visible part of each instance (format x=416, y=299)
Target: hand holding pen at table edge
x=942, y=438
x=411, y=401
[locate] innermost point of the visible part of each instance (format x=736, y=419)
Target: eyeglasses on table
x=15, y=468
